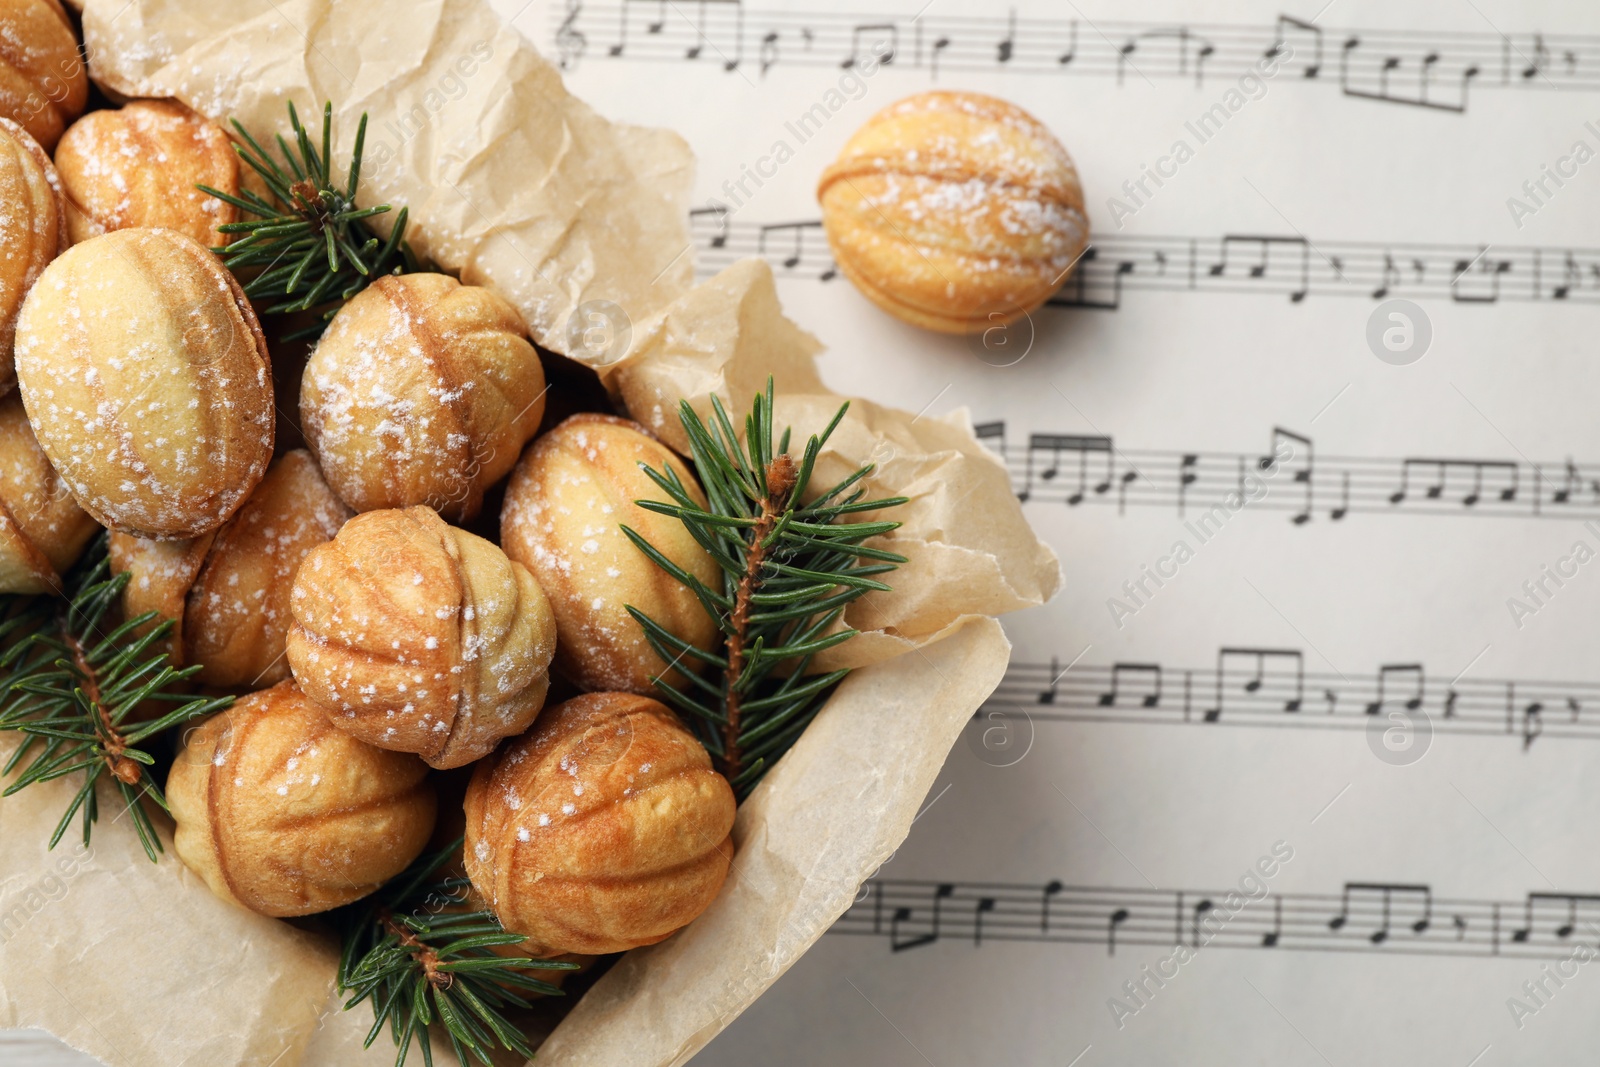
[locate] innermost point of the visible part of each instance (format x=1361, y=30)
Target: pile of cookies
x=373, y=642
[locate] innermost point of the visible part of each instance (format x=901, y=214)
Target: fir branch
x=789, y=571
x=81, y=698
x=311, y=242
x=419, y=952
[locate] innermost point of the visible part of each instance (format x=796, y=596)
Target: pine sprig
x=417, y=952
x=79, y=695
x=789, y=570
x=312, y=243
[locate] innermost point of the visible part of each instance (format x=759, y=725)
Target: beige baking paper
x=821, y=822
x=969, y=550
x=510, y=181
x=137, y=963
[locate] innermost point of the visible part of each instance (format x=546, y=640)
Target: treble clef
x=570, y=42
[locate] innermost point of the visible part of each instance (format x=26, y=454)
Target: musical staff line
x=1291, y=266
x=1436, y=70
x=1209, y=487
x=1382, y=917
x=1258, y=686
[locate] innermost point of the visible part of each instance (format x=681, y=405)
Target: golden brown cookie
x=42, y=529
x=601, y=829
x=33, y=229
x=279, y=812
x=146, y=379
x=954, y=211
x=416, y=636
x=564, y=508
x=421, y=392
x=139, y=165
x=227, y=592
x=43, y=82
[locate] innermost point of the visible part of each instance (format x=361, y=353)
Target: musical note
x=1429, y=61
x=1564, y=494
x=1118, y=917
x=1127, y=479
x=1288, y=22
x=1567, y=923
x=1282, y=265
x=1344, y=499
x=1258, y=678
x=798, y=230
x=733, y=36
x=1200, y=908
x=1389, y=60
x=719, y=211
x=1263, y=246
x=1150, y=672
x=1443, y=467
x=1390, y=271
x=1375, y=65
x=1372, y=916
x=1122, y=56
x=884, y=45
x=984, y=906
x=1251, y=686
x=1532, y=724
x=1572, y=278
x=1050, y=890
x=1071, y=52
x=653, y=27
x=1048, y=695
x=1414, y=701
x=1101, y=445
x=1270, y=938
x=1187, y=475
x=1056, y=445
x=1207, y=50
x=769, y=54
x=906, y=914
x=1386, y=891
x=1284, y=448
x=1479, y=266
x=1541, y=58
x=1081, y=470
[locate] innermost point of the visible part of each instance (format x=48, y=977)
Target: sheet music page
x=1301, y=766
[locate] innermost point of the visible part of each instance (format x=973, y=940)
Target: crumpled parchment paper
x=516, y=185
x=511, y=181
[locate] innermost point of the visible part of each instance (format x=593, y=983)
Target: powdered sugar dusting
x=147, y=382
x=444, y=667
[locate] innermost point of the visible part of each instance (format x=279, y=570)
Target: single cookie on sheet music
x=954, y=211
